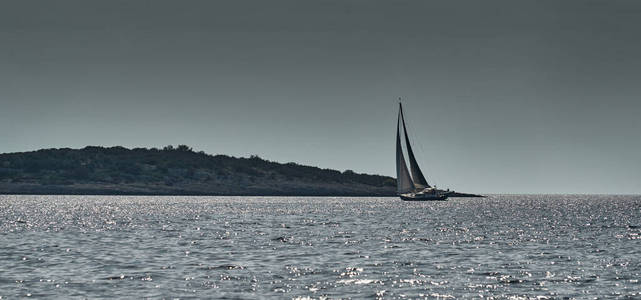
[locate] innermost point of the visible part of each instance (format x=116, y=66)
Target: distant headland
x=174, y=171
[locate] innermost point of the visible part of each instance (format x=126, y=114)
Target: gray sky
x=501, y=96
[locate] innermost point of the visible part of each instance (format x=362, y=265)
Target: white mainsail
x=417, y=175
x=404, y=183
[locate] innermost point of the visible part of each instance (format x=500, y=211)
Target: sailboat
x=412, y=187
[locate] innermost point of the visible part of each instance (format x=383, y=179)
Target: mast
x=417, y=175
x=404, y=182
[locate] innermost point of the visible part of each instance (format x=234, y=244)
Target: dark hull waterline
x=463, y=195
x=424, y=198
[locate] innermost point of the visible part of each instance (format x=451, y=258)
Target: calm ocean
x=503, y=246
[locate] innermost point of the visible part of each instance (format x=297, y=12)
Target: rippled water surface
x=269, y=247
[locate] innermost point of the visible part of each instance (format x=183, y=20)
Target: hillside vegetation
x=173, y=171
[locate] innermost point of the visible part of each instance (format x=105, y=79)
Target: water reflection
x=255, y=247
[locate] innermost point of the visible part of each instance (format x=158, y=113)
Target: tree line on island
x=174, y=171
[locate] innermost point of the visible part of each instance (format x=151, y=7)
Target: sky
x=500, y=96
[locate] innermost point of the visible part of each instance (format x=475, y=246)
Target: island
x=173, y=170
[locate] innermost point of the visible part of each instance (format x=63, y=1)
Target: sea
x=499, y=247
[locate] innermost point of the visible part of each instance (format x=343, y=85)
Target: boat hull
x=423, y=197
x=463, y=195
